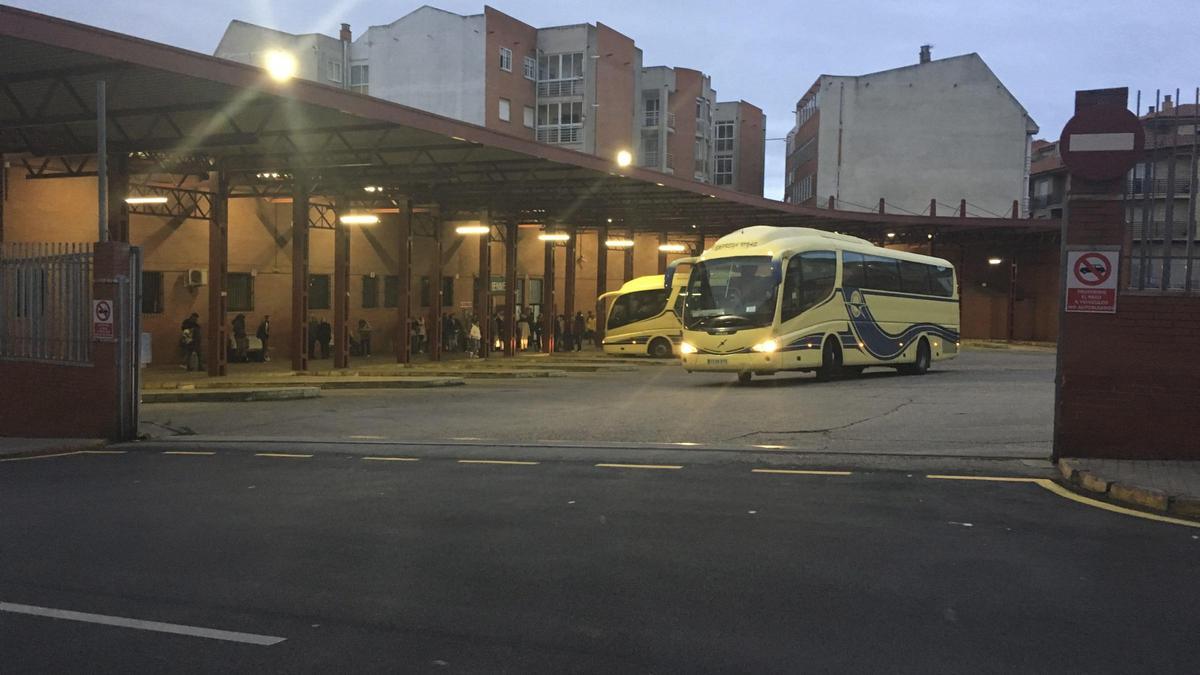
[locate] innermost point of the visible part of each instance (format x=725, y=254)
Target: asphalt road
x=563, y=566
x=986, y=403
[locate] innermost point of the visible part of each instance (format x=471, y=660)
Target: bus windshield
x=734, y=292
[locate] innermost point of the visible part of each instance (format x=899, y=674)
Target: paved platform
x=230, y=395
x=15, y=448
x=1171, y=486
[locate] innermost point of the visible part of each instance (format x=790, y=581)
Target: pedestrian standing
x=240, y=343
x=189, y=340
x=364, y=337
x=324, y=337
x=421, y=335
x=314, y=341
x=523, y=332
x=589, y=327
x=577, y=331
x=264, y=335
x=473, y=338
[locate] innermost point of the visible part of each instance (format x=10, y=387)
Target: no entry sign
x=1101, y=142
x=102, y=320
x=1092, y=281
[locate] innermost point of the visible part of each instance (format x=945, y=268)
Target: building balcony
x=560, y=88
x=1157, y=186
x=653, y=119
x=565, y=134
x=1045, y=201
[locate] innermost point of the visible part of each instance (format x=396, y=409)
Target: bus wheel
x=660, y=348
x=744, y=377
x=921, y=365
x=831, y=362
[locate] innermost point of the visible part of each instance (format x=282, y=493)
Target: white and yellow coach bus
x=644, y=317
x=769, y=299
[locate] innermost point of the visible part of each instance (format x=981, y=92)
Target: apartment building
x=739, y=140
x=581, y=86
x=944, y=130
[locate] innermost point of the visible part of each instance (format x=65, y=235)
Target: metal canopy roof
x=179, y=113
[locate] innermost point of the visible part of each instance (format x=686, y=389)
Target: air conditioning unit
x=197, y=277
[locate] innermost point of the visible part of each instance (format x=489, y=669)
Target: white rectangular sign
x=102, y=320
x=1100, y=142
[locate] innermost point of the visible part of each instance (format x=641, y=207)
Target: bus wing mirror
x=669, y=278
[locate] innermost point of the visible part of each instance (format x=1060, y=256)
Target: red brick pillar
x=601, y=280
x=483, y=309
x=218, y=266
x=404, y=285
x=300, y=339
x=511, y=311
x=105, y=402
x=548, y=304
x=341, y=290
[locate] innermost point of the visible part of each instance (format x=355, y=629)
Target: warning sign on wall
x=1092, y=281
x=102, y=320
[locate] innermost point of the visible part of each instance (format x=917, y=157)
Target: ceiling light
x=672, y=248
x=995, y=261
x=619, y=243
x=891, y=235
x=554, y=236
x=473, y=229
x=145, y=200
x=359, y=219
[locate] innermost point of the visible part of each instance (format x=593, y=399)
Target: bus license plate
x=718, y=362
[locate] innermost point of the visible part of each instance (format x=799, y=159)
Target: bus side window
x=853, y=275
x=791, y=307
x=943, y=281
x=883, y=274
x=679, y=299
x=914, y=278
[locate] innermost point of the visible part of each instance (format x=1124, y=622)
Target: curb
x=230, y=395
x=55, y=450
x=1082, y=480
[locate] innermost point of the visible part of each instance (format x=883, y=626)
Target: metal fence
x=45, y=302
x=1160, y=207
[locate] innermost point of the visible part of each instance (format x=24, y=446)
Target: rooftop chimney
x=345, y=35
x=1167, y=105
x=926, y=53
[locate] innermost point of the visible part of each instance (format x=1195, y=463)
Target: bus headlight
x=686, y=348
x=766, y=347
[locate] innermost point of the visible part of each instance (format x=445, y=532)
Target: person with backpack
x=240, y=342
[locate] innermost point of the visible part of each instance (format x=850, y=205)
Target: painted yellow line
x=512, y=462
x=103, y=452
x=639, y=466
x=189, y=453
x=285, y=455
x=802, y=472
x=57, y=454
x=1063, y=492
x=992, y=479
x=390, y=459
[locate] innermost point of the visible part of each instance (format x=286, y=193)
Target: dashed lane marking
x=991, y=479
x=511, y=462
x=138, y=624
x=639, y=466
x=282, y=455
x=802, y=472
x=390, y=459
x=1063, y=492
x=190, y=453
x=103, y=452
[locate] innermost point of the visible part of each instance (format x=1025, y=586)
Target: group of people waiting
x=458, y=334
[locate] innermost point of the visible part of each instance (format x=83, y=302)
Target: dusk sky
x=769, y=52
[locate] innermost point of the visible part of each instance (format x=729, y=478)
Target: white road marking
x=138, y=624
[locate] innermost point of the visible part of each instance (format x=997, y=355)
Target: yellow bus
x=768, y=299
x=643, y=317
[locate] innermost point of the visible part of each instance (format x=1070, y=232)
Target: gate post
x=218, y=265
x=404, y=285
x=341, y=288
x=300, y=339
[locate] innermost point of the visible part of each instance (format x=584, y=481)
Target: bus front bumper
x=733, y=363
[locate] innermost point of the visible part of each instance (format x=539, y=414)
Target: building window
x=447, y=291
x=391, y=291
x=724, y=171
x=370, y=290
x=724, y=137
x=318, y=291
x=360, y=78
x=334, y=72
x=152, y=292
x=804, y=191
x=529, y=116
x=560, y=122
x=239, y=287
x=506, y=59
x=560, y=74
x=805, y=111
x=531, y=65
x=505, y=110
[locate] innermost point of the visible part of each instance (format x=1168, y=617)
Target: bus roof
x=652, y=282
x=765, y=240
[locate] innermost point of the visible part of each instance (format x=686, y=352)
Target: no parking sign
x=1092, y=281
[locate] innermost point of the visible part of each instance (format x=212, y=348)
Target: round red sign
x=1093, y=269
x=1101, y=142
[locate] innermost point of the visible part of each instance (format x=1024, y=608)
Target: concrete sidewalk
x=1167, y=486
x=19, y=448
